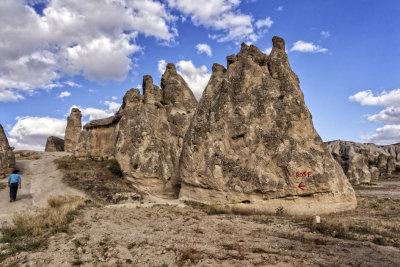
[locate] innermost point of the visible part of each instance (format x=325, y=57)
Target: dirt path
x=40, y=180
x=380, y=189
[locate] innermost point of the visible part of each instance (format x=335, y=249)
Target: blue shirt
x=14, y=178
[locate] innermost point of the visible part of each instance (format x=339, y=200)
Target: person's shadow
x=24, y=196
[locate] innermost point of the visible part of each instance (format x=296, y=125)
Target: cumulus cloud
x=384, y=99
x=325, y=34
x=197, y=78
x=64, y=94
x=279, y=8
x=162, y=64
x=73, y=37
x=31, y=132
x=266, y=23
x=204, y=48
x=90, y=113
x=305, y=47
x=219, y=15
x=389, y=133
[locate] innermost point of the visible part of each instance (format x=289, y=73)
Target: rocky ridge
x=54, y=144
x=252, y=144
x=363, y=163
x=7, y=158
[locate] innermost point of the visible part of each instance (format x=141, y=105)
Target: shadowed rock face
x=54, y=144
x=363, y=163
x=252, y=140
x=73, y=130
x=149, y=135
x=7, y=158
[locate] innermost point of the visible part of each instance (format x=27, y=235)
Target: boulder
x=252, y=144
x=73, y=130
x=54, y=144
x=7, y=158
x=363, y=163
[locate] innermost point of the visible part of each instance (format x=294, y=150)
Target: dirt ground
x=146, y=234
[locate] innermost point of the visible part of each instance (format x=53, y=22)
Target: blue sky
x=58, y=54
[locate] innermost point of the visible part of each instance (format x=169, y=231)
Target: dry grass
x=26, y=155
x=376, y=220
x=94, y=177
x=31, y=230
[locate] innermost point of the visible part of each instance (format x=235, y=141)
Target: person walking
x=14, y=182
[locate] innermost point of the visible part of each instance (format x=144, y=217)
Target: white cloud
x=325, y=34
x=388, y=134
x=305, y=47
x=37, y=51
x=31, y=132
x=279, y=8
x=114, y=98
x=64, y=94
x=388, y=115
x=268, y=50
x=204, y=48
x=72, y=84
x=266, y=23
x=162, y=64
x=197, y=78
x=219, y=15
x=90, y=113
x=384, y=99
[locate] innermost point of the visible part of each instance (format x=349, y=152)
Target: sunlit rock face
x=252, y=144
x=363, y=163
x=54, y=144
x=73, y=130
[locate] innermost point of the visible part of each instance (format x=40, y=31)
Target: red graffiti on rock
x=303, y=174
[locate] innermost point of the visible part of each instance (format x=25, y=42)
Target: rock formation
x=146, y=135
x=252, y=144
x=73, y=130
x=7, y=158
x=54, y=144
x=98, y=138
x=363, y=163
x=151, y=130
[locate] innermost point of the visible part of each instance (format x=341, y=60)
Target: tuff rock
x=54, y=144
x=252, y=144
x=146, y=135
x=73, y=130
x=7, y=158
x=363, y=163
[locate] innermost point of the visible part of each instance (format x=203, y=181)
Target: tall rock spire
x=252, y=140
x=73, y=130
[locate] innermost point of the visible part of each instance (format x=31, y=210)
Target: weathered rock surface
x=7, y=158
x=54, y=144
x=73, y=130
x=252, y=143
x=98, y=138
x=146, y=135
x=363, y=163
x=149, y=135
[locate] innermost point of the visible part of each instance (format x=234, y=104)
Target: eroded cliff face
x=252, y=143
x=98, y=138
x=7, y=158
x=363, y=163
x=73, y=130
x=54, y=144
x=150, y=132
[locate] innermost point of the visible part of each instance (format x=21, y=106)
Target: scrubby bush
x=115, y=168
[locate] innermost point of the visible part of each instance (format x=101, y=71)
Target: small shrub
x=280, y=211
x=115, y=168
x=131, y=245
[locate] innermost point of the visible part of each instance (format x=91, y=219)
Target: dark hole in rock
x=246, y=201
x=135, y=166
x=238, y=136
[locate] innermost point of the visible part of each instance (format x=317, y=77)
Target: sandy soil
x=40, y=180
x=381, y=189
x=145, y=234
